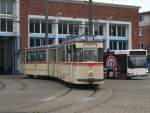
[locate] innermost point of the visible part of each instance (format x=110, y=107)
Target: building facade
x=116, y=25
x=9, y=36
x=144, y=34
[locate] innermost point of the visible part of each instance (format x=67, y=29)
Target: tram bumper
x=90, y=80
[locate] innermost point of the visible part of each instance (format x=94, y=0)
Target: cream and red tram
x=77, y=62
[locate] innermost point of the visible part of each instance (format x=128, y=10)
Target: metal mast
x=46, y=22
x=90, y=19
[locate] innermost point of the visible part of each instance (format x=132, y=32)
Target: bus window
x=137, y=62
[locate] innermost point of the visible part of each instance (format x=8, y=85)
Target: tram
x=75, y=61
x=126, y=64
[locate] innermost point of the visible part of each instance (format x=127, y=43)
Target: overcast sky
x=144, y=4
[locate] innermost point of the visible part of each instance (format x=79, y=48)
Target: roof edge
x=97, y=3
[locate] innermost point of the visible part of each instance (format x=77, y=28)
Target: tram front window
x=90, y=55
x=137, y=62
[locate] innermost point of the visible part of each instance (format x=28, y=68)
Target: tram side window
x=80, y=54
x=100, y=54
x=59, y=54
x=36, y=56
x=22, y=58
x=69, y=53
x=52, y=54
x=90, y=55
x=74, y=53
x=63, y=53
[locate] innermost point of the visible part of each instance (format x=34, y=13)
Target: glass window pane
x=114, y=45
x=31, y=42
x=3, y=6
x=120, y=46
x=49, y=27
x=60, y=28
x=64, y=28
x=70, y=28
x=96, y=31
x=100, y=30
x=51, y=41
x=43, y=27
x=9, y=7
x=9, y=25
x=37, y=26
x=119, y=31
x=76, y=28
x=31, y=26
x=37, y=42
x=3, y=24
x=123, y=31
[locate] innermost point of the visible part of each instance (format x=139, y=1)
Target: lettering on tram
x=75, y=61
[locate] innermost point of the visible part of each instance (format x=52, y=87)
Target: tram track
x=52, y=98
x=72, y=104
x=97, y=104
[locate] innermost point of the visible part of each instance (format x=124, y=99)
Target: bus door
x=121, y=65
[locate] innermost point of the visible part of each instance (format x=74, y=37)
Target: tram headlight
x=90, y=73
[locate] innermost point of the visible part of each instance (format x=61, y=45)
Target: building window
x=3, y=6
x=6, y=6
x=3, y=25
x=98, y=29
x=31, y=26
x=37, y=26
x=32, y=43
x=38, y=42
x=60, y=40
x=68, y=27
x=121, y=31
x=6, y=25
x=51, y=41
x=62, y=26
x=112, y=30
x=86, y=29
x=141, y=18
x=9, y=7
x=43, y=27
x=125, y=45
x=49, y=27
x=9, y=25
x=113, y=45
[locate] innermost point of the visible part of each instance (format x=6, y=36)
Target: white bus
x=129, y=64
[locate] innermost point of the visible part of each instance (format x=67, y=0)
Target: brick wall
x=36, y=7
x=145, y=39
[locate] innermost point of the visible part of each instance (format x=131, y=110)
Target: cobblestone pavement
x=115, y=96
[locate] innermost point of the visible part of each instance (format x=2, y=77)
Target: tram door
x=1, y=60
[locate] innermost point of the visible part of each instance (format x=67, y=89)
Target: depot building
x=22, y=25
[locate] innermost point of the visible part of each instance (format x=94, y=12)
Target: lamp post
x=90, y=18
x=46, y=22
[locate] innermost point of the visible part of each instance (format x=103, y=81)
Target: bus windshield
x=90, y=55
x=137, y=62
